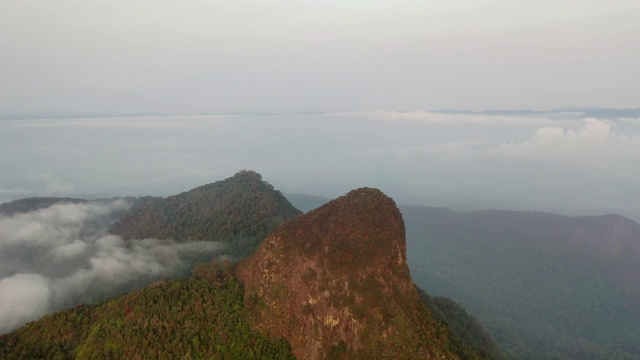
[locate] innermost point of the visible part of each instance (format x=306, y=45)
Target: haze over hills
x=546, y=286
x=360, y=300
x=558, y=162
x=33, y=204
x=464, y=326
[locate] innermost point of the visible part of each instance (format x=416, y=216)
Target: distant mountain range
x=586, y=112
x=33, y=115
x=546, y=286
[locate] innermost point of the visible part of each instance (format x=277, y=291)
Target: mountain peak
x=355, y=229
x=240, y=211
x=248, y=174
x=335, y=284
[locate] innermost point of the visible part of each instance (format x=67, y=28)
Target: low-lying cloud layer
x=59, y=256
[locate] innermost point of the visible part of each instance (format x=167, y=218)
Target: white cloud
x=55, y=225
x=590, y=143
x=58, y=256
x=69, y=250
x=593, y=144
x=23, y=297
x=444, y=118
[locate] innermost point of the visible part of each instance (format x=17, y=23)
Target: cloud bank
x=62, y=255
x=585, y=143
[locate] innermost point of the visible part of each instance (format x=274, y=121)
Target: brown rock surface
x=335, y=284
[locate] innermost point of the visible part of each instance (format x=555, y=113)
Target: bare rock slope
x=335, y=284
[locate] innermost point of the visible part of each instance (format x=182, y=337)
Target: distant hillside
x=239, y=211
x=546, y=286
x=463, y=325
x=70, y=115
x=613, y=113
x=32, y=204
x=335, y=284
x=27, y=205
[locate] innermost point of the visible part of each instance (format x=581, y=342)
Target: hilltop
x=239, y=211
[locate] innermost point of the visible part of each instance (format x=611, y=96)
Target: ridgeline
x=239, y=211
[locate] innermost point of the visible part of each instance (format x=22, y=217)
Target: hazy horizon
x=559, y=162
x=383, y=73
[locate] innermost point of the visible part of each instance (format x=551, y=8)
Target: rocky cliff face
x=335, y=284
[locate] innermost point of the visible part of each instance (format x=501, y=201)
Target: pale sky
x=286, y=56
x=358, y=61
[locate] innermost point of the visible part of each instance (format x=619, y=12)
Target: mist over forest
x=63, y=255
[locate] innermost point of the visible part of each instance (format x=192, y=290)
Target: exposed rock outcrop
x=335, y=284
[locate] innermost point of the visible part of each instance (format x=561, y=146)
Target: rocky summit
x=335, y=284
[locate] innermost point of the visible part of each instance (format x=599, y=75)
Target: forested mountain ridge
x=546, y=286
x=356, y=244
x=335, y=284
x=240, y=211
x=194, y=318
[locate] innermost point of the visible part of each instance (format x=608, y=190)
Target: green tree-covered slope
x=240, y=211
x=201, y=317
x=464, y=327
